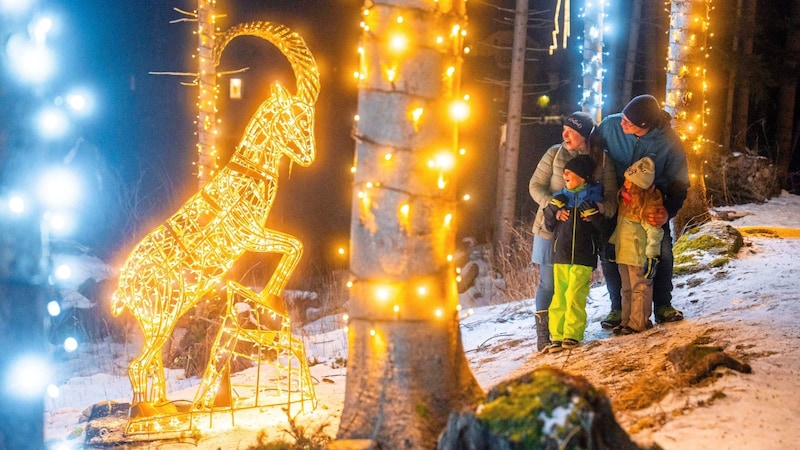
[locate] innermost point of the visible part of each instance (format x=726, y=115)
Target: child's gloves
x=588, y=209
x=559, y=201
x=649, y=269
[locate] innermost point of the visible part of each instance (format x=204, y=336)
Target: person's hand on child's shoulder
x=657, y=215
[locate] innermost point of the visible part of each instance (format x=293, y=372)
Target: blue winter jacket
x=661, y=144
x=576, y=241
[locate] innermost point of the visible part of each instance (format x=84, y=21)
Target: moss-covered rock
x=544, y=409
x=711, y=245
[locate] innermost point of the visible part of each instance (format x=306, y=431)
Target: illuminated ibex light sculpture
x=189, y=255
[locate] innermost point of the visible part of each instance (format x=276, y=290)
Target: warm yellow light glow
x=252, y=319
x=459, y=110
x=439, y=312
x=372, y=332
x=444, y=160
x=466, y=197
x=346, y=317
x=391, y=74
x=387, y=157
x=543, y=101
x=416, y=115
x=422, y=291
x=441, y=183
x=398, y=43
x=341, y=251
x=448, y=219
x=396, y=308
x=383, y=293
x=184, y=259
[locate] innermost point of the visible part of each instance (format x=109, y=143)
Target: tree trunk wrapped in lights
x=406, y=367
x=686, y=85
x=207, y=92
x=592, y=101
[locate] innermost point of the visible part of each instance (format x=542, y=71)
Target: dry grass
x=513, y=263
x=650, y=387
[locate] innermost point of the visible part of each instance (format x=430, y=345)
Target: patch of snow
x=748, y=307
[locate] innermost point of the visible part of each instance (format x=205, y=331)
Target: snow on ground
x=748, y=307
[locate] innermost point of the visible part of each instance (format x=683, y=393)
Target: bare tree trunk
x=742, y=86
x=686, y=99
x=509, y=158
x=731, y=91
x=656, y=21
x=633, y=50
x=206, y=97
x=788, y=92
x=406, y=368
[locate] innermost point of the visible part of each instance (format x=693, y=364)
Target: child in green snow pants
x=568, y=308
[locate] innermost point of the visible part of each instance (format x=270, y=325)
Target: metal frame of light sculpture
x=249, y=320
x=188, y=256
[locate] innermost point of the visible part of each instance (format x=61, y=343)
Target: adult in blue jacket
x=644, y=129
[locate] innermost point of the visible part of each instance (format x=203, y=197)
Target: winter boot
x=612, y=320
x=542, y=330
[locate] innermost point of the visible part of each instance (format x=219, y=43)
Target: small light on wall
x=235, y=90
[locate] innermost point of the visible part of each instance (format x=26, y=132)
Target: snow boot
x=667, y=313
x=542, y=330
x=612, y=320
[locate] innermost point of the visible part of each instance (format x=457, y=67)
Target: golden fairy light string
x=557, y=30
x=389, y=35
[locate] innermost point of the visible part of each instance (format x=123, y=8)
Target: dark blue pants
x=662, y=283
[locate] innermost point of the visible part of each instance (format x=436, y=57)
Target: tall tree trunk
x=788, y=93
x=656, y=21
x=406, y=367
x=741, y=109
x=22, y=312
x=592, y=101
x=686, y=66
x=633, y=50
x=207, y=92
x=509, y=157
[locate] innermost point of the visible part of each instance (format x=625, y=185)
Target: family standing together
x=607, y=192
